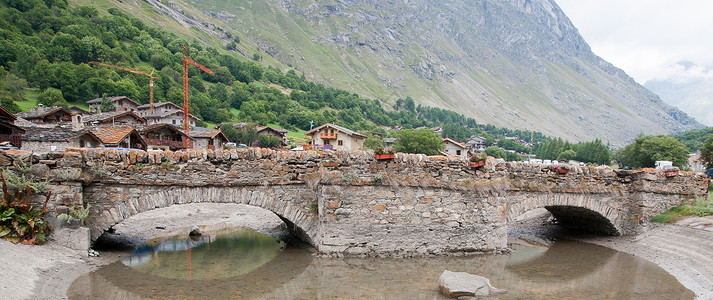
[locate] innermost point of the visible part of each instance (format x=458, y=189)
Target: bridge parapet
x=348, y=202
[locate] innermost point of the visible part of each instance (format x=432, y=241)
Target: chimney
x=77, y=122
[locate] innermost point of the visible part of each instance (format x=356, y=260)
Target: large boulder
x=458, y=284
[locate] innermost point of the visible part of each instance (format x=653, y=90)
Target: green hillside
x=46, y=49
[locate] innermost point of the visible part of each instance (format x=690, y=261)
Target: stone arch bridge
x=350, y=203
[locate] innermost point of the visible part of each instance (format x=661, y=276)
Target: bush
x=19, y=221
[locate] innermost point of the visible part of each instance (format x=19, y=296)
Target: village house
x=276, y=132
x=10, y=134
x=330, y=136
x=50, y=139
x=205, y=138
x=164, y=137
x=160, y=107
x=173, y=117
x=121, y=103
x=114, y=118
x=119, y=137
x=476, y=143
x=46, y=115
x=455, y=148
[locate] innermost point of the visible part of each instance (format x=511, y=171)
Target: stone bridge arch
x=594, y=213
x=113, y=203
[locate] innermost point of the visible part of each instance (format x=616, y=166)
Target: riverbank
x=45, y=272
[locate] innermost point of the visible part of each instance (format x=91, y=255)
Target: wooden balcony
x=14, y=139
x=316, y=147
x=170, y=144
x=328, y=136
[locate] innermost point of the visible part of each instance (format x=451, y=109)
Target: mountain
x=692, y=93
x=514, y=63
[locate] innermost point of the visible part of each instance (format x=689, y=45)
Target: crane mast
x=149, y=75
x=186, y=61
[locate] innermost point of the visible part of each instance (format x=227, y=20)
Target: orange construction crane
x=150, y=76
x=187, y=61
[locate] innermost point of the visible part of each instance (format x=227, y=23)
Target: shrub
x=19, y=221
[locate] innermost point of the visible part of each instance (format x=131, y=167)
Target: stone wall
x=349, y=203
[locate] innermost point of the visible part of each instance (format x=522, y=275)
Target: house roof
x=158, y=104
x=158, y=115
x=114, y=134
x=41, y=112
x=4, y=114
x=107, y=116
x=337, y=127
x=56, y=134
x=158, y=126
x=278, y=130
x=75, y=109
x=206, y=133
x=12, y=126
x=112, y=99
x=448, y=140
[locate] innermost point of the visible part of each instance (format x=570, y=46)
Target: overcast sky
x=646, y=38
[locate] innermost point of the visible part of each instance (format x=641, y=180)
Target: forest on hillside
x=46, y=45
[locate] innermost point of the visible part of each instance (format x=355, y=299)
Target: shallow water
x=248, y=265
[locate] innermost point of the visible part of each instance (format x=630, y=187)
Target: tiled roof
x=278, y=130
x=454, y=142
x=40, y=112
x=56, y=134
x=112, y=99
x=337, y=127
x=210, y=133
x=168, y=113
x=4, y=114
x=156, y=105
x=112, y=135
x=169, y=127
x=108, y=115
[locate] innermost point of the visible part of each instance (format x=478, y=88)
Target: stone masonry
x=348, y=203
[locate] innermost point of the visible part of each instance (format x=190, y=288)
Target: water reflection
x=566, y=270
x=206, y=257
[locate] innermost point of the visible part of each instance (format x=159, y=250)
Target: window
x=457, y=152
x=340, y=143
x=174, y=122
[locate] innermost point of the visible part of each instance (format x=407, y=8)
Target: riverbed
x=46, y=272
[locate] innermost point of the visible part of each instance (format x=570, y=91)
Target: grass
x=701, y=207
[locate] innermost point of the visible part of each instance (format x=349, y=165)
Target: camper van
x=664, y=164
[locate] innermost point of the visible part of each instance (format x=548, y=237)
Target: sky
x=648, y=38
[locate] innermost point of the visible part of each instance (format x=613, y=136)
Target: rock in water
x=457, y=284
x=195, y=231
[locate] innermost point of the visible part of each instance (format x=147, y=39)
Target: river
x=248, y=265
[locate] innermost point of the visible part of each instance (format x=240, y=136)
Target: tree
x=424, y=141
x=707, y=152
x=567, y=155
x=52, y=97
x=646, y=150
x=373, y=142
x=247, y=134
x=229, y=131
x=268, y=141
x=106, y=105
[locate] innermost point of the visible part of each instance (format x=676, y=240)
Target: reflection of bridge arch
x=112, y=204
x=586, y=212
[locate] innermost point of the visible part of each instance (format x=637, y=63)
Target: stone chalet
x=173, y=117
x=164, y=137
x=455, y=148
x=476, y=143
x=276, y=132
x=121, y=103
x=10, y=134
x=50, y=139
x=160, y=107
x=208, y=139
x=334, y=137
x=46, y=115
x=114, y=118
x=120, y=136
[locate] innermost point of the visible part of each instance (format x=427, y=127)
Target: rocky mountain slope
x=514, y=63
